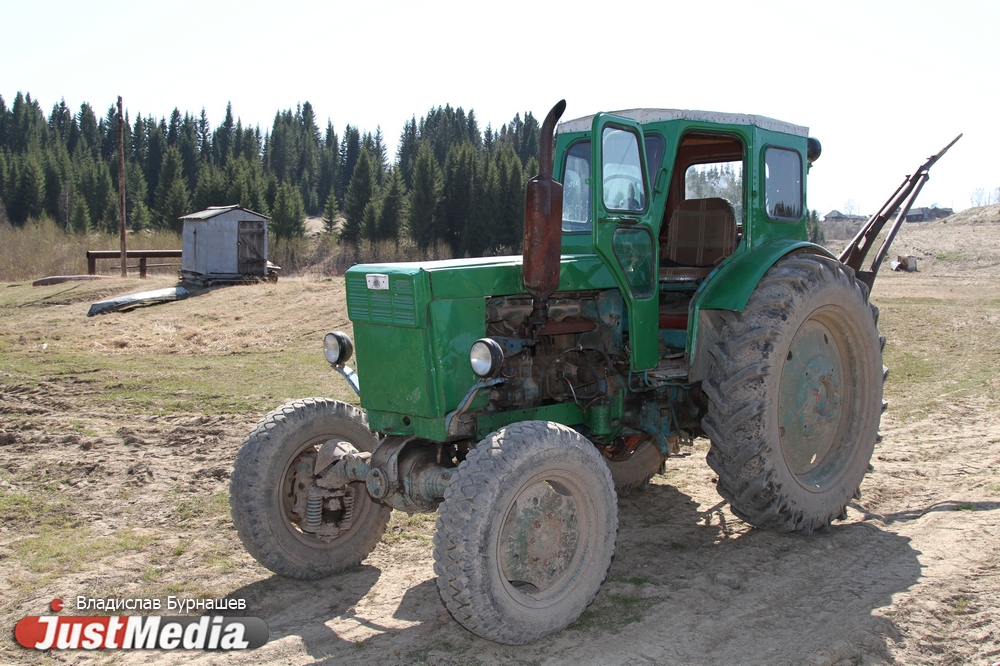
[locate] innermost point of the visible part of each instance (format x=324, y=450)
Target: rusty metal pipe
x=543, y=226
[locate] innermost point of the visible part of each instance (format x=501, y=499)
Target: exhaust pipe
x=543, y=227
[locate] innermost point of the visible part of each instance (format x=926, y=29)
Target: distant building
x=837, y=216
x=926, y=214
x=224, y=243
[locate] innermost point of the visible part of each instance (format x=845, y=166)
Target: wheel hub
x=540, y=536
x=811, y=402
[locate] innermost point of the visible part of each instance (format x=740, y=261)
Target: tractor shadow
x=691, y=583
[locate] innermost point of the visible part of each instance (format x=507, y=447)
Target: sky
x=882, y=84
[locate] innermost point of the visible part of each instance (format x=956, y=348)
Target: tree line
x=450, y=181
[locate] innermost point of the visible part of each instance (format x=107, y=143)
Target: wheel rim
x=547, y=530
x=818, y=401
x=354, y=505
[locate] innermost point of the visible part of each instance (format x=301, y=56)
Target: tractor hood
x=414, y=324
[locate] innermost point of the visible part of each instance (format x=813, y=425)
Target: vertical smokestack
x=543, y=226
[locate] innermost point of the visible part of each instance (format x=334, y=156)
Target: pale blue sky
x=881, y=84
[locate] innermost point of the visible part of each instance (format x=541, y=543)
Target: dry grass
x=42, y=248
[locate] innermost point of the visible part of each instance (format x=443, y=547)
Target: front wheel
x=285, y=529
x=526, y=532
x=795, y=396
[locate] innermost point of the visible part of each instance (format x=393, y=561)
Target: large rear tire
x=526, y=532
x=274, y=467
x=795, y=396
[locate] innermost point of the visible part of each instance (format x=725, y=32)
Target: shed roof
x=643, y=116
x=212, y=211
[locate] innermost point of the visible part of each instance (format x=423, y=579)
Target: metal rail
x=901, y=200
x=141, y=255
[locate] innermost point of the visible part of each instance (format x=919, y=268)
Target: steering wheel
x=624, y=176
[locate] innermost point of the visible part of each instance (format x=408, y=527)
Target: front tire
x=795, y=396
x=266, y=479
x=526, y=532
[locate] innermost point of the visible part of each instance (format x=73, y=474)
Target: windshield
x=576, y=188
x=624, y=188
x=577, y=213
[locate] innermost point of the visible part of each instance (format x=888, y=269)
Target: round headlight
x=486, y=357
x=337, y=348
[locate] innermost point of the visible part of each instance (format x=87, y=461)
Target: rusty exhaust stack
x=543, y=227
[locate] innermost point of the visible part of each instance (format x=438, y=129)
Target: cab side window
x=783, y=184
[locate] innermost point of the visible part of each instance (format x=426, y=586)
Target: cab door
x=625, y=233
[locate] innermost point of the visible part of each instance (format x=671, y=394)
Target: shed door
x=252, y=247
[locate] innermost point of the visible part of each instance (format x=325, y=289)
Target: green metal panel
x=392, y=423
x=455, y=325
x=729, y=287
x=392, y=371
x=761, y=229
x=642, y=307
x=402, y=304
x=566, y=413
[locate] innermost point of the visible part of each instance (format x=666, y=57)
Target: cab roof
x=646, y=116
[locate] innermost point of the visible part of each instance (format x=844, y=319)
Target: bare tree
x=979, y=197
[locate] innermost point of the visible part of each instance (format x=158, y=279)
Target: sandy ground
x=911, y=577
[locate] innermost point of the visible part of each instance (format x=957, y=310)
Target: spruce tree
x=187, y=146
x=391, y=211
x=93, y=182
x=176, y=204
x=80, y=220
x=211, y=188
x=350, y=149
x=204, y=136
x=90, y=138
x=510, y=187
x=170, y=174
x=136, y=212
x=457, y=196
x=288, y=219
x=29, y=194
x=423, y=198
x=330, y=213
x=359, y=194
x=406, y=154
x=481, y=234
x=156, y=148
x=223, y=137
x=369, y=221
x=814, y=232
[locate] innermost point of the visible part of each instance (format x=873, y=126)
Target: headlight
x=486, y=357
x=337, y=348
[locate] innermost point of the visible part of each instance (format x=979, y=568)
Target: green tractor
x=518, y=396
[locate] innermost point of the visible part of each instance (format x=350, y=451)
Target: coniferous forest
x=449, y=183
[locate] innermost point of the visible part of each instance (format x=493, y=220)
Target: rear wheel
x=285, y=529
x=526, y=532
x=795, y=396
x=635, y=470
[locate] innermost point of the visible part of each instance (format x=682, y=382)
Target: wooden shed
x=224, y=243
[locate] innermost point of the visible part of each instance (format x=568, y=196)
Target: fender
x=729, y=288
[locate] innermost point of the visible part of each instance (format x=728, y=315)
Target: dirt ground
x=118, y=434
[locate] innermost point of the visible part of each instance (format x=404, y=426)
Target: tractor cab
x=677, y=195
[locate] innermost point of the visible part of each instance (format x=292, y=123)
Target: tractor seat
x=701, y=233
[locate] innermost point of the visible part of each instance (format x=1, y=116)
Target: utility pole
x=121, y=183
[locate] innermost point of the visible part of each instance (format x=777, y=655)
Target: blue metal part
x=453, y=419
x=350, y=376
x=512, y=346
